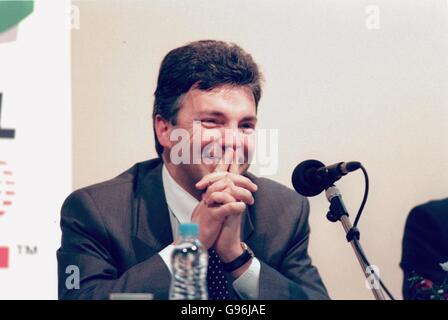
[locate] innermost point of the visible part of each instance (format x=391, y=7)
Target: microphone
x=311, y=177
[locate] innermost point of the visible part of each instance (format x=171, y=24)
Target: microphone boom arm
x=338, y=212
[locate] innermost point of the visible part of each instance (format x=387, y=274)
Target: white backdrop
x=35, y=83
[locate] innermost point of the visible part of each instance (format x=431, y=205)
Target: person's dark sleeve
x=422, y=249
x=297, y=278
x=85, y=244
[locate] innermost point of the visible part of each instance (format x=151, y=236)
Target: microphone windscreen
x=304, y=178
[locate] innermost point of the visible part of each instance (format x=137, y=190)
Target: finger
x=219, y=185
x=237, y=179
x=225, y=161
x=219, y=198
x=242, y=194
x=234, y=166
x=230, y=209
x=210, y=178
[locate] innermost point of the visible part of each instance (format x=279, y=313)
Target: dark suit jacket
x=425, y=244
x=114, y=230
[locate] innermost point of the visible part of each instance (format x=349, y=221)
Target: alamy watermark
x=73, y=17
x=373, y=17
x=260, y=147
x=73, y=278
x=373, y=277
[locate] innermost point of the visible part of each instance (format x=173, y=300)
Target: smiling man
x=120, y=233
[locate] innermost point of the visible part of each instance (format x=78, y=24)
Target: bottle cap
x=189, y=229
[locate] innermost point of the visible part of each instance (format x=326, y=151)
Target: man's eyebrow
x=249, y=118
x=213, y=113
x=222, y=115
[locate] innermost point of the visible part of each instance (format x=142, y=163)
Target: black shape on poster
x=5, y=133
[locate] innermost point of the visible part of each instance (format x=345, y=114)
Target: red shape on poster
x=4, y=257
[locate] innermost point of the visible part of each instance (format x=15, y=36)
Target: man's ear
x=163, y=130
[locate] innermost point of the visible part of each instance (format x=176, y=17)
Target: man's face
x=216, y=120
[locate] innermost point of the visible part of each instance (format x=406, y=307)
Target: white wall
x=335, y=90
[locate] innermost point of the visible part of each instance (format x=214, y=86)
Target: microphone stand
x=338, y=212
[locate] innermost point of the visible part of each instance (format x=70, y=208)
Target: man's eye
x=209, y=121
x=247, y=126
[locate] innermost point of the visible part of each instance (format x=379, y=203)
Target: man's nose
x=232, y=138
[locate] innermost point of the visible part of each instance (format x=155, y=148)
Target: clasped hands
x=226, y=195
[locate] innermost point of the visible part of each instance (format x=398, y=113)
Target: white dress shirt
x=181, y=205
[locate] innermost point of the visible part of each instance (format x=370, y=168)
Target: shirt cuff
x=247, y=285
x=165, y=254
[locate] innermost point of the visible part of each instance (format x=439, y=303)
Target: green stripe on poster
x=12, y=12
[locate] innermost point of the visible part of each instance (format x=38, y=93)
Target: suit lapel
x=247, y=226
x=152, y=226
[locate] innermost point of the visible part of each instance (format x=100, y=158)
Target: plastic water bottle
x=189, y=262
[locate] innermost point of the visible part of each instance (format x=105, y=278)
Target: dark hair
x=207, y=64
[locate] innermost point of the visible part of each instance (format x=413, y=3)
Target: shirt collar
x=180, y=202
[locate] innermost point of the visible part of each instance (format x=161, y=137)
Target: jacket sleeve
x=85, y=248
x=424, y=248
x=297, y=278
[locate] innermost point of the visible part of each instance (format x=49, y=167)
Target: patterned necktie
x=216, y=278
